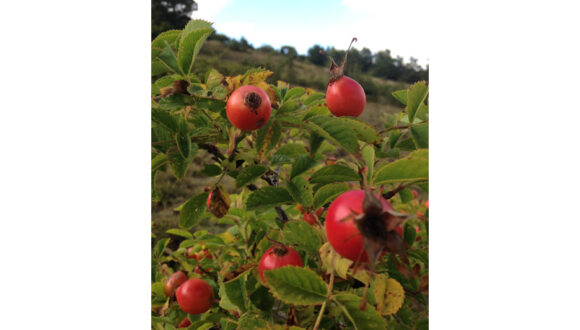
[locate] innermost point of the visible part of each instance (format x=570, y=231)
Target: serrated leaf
x=168, y=58
x=334, y=173
x=160, y=246
x=416, y=95
x=165, y=119
x=368, y=318
x=158, y=161
x=288, y=107
x=183, y=142
x=189, y=47
x=295, y=92
x=312, y=98
x=368, y=155
x=302, y=164
x=268, y=197
x=300, y=190
x=249, y=174
x=362, y=130
x=302, y=234
x=192, y=211
x=296, y=285
x=394, y=297
x=286, y=152
x=316, y=110
x=341, y=264
x=158, y=44
x=262, y=298
x=267, y=137
x=195, y=24
x=328, y=193
x=251, y=321
x=179, y=164
x=414, y=167
x=420, y=135
x=179, y=232
x=315, y=142
x=335, y=130
x=234, y=291
x=406, y=145
x=211, y=170
x=401, y=96
x=394, y=136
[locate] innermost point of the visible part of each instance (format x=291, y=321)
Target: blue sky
x=400, y=26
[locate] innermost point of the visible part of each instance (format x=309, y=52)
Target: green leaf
x=262, y=299
x=158, y=161
x=160, y=246
x=335, y=130
x=420, y=135
x=414, y=167
x=312, y=98
x=235, y=292
x=192, y=211
x=300, y=190
x=211, y=170
x=268, y=197
x=268, y=136
x=294, y=93
x=165, y=119
x=249, y=174
x=334, y=173
x=368, y=318
x=317, y=110
x=368, y=155
x=328, y=193
x=195, y=24
x=409, y=233
x=302, y=235
x=158, y=44
x=362, y=130
x=180, y=164
x=287, y=151
x=179, y=232
x=168, y=58
x=416, y=95
x=302, y=164
x=315, y=142
x=406, y=145
x=183, y=144
x=401, y=96
x=394, y=136
x=296, y=285
x=189, y=47
x=289, y=106
x=251, y=321
x=406, y=195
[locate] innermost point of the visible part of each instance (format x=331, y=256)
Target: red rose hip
x=195, y=296
x=248, y=108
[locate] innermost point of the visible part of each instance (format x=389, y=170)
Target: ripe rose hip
x=185, y=323
x=341, y=230
x=278, y=256
x=345, y=97
x=174, y=281
x=194, y=296
x=248, y=108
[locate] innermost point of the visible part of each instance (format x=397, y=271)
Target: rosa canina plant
x=354, y=262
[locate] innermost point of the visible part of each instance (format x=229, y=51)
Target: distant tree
x=315, y=57
x=366, y=59
x=219, y=37
x=170, y=14
x=266, y=49
x=288, y=51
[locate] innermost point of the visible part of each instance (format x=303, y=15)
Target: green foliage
x=302, y=155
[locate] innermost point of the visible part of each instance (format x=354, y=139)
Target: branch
x=212, y=150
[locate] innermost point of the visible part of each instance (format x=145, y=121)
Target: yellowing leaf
x=341, y=264
x=227, y=237
x=394, y=297
x=269, y=90
x=234, y=82
x=219, y=202
x=257, y=77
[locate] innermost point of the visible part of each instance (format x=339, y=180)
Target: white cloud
x=208, y=9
